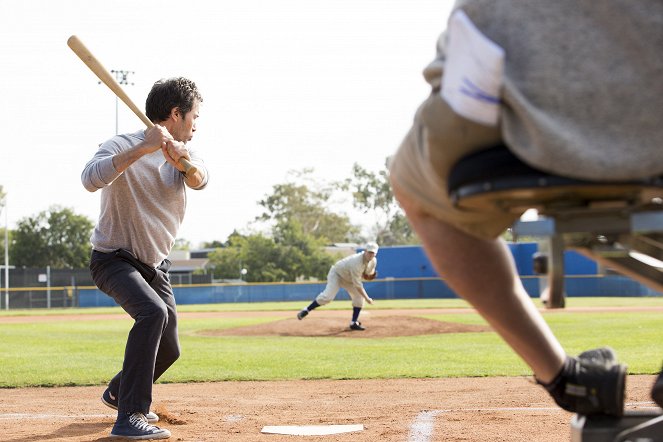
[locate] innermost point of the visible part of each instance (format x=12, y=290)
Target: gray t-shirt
x=583, y=84
x=143, y=207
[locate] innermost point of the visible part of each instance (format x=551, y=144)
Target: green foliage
x=372, y=193
x=10, y=236
x=289, y=256
x=398, y=232
x=57, y=237
x=213, y=244
x=301, y=225
x=307, y=206
x=182, y=244
x=89, y=351
x=301, y=254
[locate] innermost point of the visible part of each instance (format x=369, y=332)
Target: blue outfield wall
x=404, y=272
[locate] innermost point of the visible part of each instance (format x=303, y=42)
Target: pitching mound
x=376, y=327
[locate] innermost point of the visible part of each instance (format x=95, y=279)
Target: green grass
x=89, y=352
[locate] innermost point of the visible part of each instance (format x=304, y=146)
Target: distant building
x=185, y=264
x=342, y=248
x=201, y=253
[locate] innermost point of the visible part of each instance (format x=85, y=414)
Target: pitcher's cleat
x=135, y=426
x=302, y=314
x=356, y=325
x=592, y=383
x=111, y=401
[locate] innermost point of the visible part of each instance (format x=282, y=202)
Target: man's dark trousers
x=152, y=347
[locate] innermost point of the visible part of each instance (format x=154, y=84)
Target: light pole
x=3, y=205
x=121, y=77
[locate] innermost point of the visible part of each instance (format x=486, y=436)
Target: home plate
x=311, y=430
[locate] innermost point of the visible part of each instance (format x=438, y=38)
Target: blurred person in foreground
x=570, y=87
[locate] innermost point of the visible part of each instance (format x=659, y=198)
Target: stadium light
x=3, y=205
x=121, y=77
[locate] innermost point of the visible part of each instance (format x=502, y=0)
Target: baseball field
x=424, y=370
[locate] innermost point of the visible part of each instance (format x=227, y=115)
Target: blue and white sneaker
x=111, y=401
x=135, y=426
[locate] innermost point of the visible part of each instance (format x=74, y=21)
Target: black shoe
x=135, y=426
x=592, y=383
x=111, y=401
x=356, y=325
x=302, y=314
x=600, y=356
x=657, y=390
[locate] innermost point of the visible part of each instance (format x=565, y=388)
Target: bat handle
x=189, y=169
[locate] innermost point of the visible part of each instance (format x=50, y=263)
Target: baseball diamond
x=395, y=409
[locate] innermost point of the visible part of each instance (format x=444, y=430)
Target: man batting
x=143, y=200
x=348, y=274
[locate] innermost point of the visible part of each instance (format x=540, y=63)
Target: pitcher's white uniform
x=347, y=274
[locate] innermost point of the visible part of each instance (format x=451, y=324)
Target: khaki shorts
x=438, y=139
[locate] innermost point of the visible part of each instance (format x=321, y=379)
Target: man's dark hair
x=169, y=93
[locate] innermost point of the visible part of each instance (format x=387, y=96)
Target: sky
x=286, y=85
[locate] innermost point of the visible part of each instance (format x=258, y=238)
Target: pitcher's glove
x=370, y=277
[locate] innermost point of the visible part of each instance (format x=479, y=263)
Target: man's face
x=368, y=255
x=186, y=125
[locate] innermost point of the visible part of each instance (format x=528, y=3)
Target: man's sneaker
x=657, y=390
x=592, y=383
x=111, y=401
x=135, y=426
x=302, y=314
x=356, y=325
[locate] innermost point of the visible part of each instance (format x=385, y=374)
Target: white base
x=311, y=430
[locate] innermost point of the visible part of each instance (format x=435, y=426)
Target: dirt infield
x=401, y=410
x=335, y=326
x=404, y=410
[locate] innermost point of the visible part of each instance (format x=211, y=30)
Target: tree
x=302, y=254
x=182, y=244
x=307, y=205
x=255, y=252
x=289, y=256
x=372, y=193
x=57, y=237
x=213, y=244
x=10, y=236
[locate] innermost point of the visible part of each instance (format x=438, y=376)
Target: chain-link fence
x=54, y=288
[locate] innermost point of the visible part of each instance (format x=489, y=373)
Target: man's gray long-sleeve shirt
x=143, y=207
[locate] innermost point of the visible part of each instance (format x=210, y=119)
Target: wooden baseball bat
x=105, y=76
